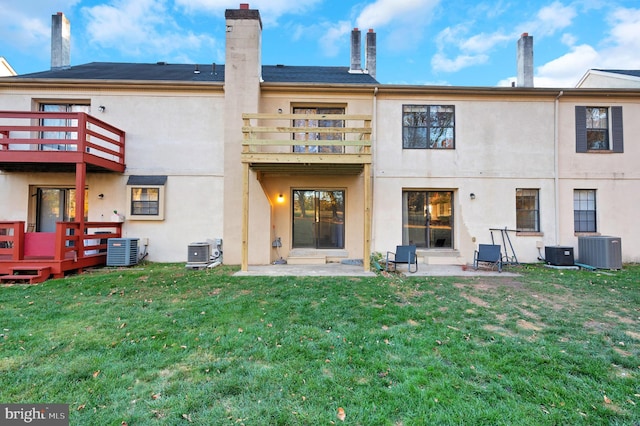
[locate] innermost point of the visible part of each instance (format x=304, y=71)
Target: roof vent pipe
x=371, y=53
x=355, y=50
x=60, y=42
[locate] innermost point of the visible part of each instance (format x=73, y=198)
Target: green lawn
x=159, y=344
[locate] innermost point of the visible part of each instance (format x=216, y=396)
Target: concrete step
x=306, y=260
x=440, y=257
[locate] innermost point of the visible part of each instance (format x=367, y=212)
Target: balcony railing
x=294, y=139
x=64, y=243
x=28, y=138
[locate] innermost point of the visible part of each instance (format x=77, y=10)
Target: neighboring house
x=610, y=79
x=328, y=160
x=5, y=68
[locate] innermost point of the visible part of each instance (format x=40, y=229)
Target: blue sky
x=434, y=42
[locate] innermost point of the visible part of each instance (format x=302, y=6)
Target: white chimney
x=356, y=48
x=525, y=61
x=60, y=42
x=371, y=53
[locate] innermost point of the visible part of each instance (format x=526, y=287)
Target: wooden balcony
x=71, y=248
x=57, y=141
x=307, y=143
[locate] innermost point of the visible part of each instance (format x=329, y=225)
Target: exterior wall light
x=472, y=196
x=280, y=198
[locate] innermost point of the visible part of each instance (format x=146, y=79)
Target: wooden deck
x=57, y=141
x=307, y=148
x=33, y=257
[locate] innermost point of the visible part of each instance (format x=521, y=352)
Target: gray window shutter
x=616, y=129
x=581, y=129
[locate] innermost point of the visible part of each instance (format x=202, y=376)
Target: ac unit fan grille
x=122, y=251
x=199, y=253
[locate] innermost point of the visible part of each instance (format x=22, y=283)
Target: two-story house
x=325, y=161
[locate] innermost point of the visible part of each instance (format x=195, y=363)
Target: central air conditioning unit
x=599, y=251
x=199, y=253
x=122, y=251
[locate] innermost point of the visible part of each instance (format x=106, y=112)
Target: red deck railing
x=68, y=242
x=60, y=137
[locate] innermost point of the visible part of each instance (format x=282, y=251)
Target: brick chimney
x=356, y=48
x=371, y=53
x=60, y=42
x=525, y=61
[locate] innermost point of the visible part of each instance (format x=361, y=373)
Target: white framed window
x=146, y=197
x=584, y=210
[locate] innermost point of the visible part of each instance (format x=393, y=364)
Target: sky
x=419, y=42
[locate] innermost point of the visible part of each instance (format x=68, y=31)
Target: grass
x=158, y=344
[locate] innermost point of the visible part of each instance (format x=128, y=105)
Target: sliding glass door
x=427, y=218
x=56, y=205
x=318, y=219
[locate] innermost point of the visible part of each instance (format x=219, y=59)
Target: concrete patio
x=342, y=270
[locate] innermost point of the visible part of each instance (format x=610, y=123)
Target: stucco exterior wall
x=614, y=176
x=177, y=134
x=500, y=145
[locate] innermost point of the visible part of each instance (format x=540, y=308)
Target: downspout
x=374, y=132
x=556, y=181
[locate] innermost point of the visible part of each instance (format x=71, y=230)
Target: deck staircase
x=26, y=275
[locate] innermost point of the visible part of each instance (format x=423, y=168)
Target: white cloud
x=484, y=42
x=441, y=63
x=136, y=27
x=26, y=25
x=549, y=20
x=384, y=12
x=566, y=70
x=457, y=50
x=403, y=21
x=333, y=39
x=618, y=51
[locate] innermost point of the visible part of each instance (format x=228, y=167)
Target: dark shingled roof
x=162, y=71
x=309, y=74
x=632, y=73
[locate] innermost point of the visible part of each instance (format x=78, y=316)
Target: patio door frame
x=318, y=218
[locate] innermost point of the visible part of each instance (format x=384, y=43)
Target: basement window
x=145, y=197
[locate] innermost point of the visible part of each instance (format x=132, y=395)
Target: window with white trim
x=584, y=210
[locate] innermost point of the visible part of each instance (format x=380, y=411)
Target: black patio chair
x=488, y=253
x=403, y=254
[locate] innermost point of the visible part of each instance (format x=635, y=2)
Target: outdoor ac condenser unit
x=559, y=256
x=199, y=253
x=600, y=251
x=122, y=251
